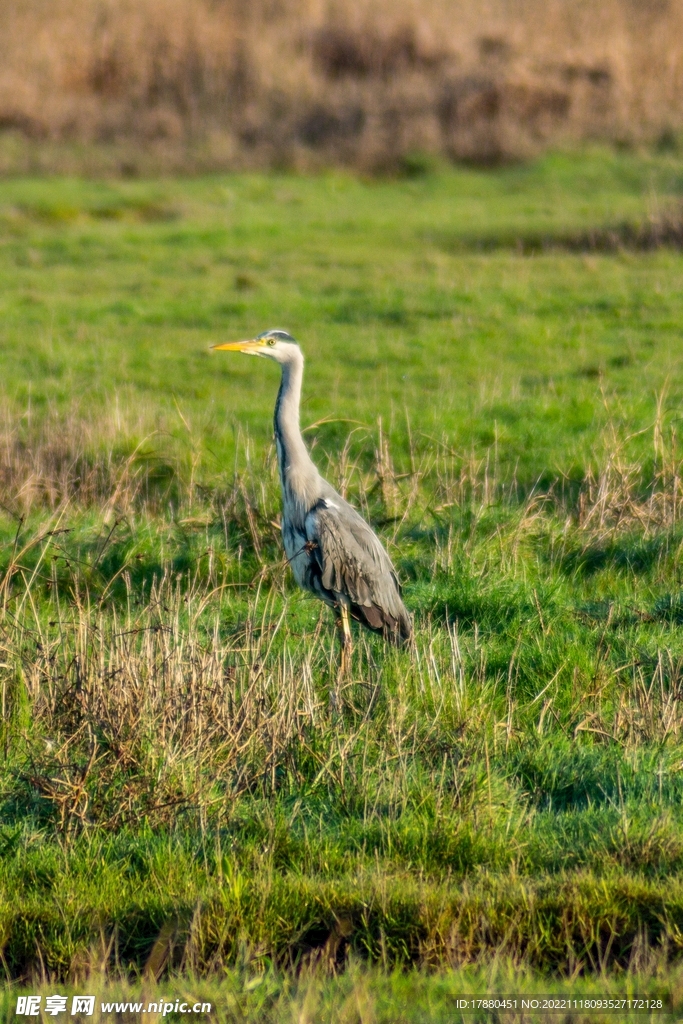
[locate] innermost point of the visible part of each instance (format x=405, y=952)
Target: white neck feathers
x=297, y=471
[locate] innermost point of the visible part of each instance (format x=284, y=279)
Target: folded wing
x=354, y=564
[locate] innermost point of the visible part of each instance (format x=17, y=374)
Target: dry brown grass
x=174, y=83
x=154, y=710
x=62, y=460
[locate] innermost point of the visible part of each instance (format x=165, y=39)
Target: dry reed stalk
x=618, y=498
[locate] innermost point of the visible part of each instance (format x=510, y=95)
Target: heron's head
x=277, y=345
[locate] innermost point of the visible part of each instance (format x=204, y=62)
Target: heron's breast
x=298, y=554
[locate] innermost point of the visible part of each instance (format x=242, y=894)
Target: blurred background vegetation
x=139, y=85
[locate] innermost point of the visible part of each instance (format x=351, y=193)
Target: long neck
x=296, y=467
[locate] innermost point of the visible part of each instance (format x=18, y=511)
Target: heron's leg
x=345, y=639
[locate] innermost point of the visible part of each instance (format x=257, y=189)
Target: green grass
x=179, y=760
x=365, y=274
x=361, y=994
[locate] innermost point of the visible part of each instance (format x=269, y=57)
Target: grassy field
x=494, y=377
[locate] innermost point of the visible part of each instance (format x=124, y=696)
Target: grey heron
x=331, y=549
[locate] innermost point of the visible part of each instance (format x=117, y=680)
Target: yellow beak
x=239, y=346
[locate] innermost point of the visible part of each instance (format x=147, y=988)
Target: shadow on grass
x=467, y=599
x=558, y=776
x=631, y=553
x=121, y=562
x=665, y=231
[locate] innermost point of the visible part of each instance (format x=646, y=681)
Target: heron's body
x=332, y=551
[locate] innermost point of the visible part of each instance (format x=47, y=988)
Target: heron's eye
x=270, y=341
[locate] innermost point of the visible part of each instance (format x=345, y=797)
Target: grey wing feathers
x=354, y=563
